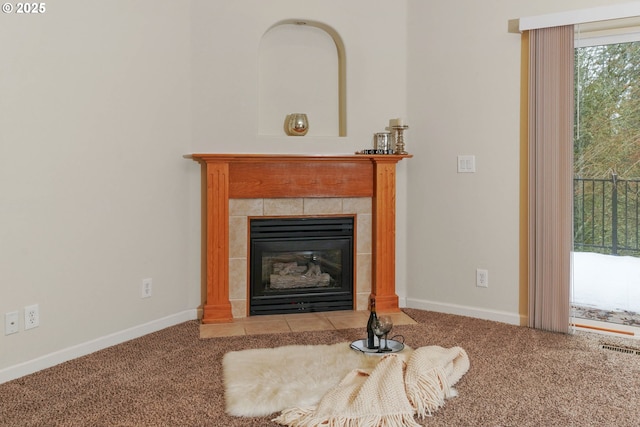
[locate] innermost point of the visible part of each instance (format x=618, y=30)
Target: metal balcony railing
x=606, y=214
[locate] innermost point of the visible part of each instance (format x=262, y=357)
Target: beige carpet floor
x=518, y=377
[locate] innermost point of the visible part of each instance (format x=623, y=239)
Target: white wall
x=464, y=98
x=100, y=100
x=94, y=119
x=226, y=42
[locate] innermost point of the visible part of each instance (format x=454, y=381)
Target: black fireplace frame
x=301, y=235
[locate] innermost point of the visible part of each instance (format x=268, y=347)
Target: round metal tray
x=361, y=346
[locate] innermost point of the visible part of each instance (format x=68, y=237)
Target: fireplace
x=286, y=176
x=301, y=264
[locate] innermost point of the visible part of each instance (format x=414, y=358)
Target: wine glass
x=382, y=326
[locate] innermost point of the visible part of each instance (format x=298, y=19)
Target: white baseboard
x=70, y=353
x=461, y=310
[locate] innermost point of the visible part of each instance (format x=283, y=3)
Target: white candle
x=399, y=122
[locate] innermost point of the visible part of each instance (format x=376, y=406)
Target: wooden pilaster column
x=217, y=308
x=384, y=235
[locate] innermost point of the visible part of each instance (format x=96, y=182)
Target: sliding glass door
x=606, y=183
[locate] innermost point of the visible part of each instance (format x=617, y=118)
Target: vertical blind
x=551, y=109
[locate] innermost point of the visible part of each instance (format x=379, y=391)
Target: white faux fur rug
x=260, y=382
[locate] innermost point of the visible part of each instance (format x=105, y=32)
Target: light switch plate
x=466, y=164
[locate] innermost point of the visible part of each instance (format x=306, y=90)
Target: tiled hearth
x=240, y=210
x=282, y=323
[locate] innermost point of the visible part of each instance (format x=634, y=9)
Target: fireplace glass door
x=301, y=264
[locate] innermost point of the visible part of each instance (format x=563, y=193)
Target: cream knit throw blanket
x=390, y=394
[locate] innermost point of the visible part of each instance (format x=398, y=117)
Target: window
x=607, y=144
x=606, y=182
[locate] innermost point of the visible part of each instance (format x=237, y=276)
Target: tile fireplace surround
x=239, y=186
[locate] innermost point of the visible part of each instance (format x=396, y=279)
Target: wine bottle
x=372, y=339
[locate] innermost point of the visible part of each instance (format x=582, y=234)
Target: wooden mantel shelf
x=240, y=176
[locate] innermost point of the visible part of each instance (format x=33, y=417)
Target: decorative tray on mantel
x=361, y=346
x=372, y=151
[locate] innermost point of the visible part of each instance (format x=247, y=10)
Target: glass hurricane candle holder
x=297, y=124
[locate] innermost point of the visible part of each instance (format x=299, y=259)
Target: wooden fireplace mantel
x=242, y=176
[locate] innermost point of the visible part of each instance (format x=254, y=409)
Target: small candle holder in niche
x=296, y=124
x=399, y=131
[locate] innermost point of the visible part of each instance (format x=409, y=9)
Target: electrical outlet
x=11, y=323
x=482, y=278
x=147, y=286
x=31, y=316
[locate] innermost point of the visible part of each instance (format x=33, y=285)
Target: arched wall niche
x=302, y=69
